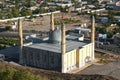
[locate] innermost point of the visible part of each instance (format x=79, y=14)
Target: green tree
x=110, y=34
x=8, y=28
x=92, y=1
x=59, y=8
x=15, y=12
x=16, y=2
x=111, y=16
x=74, y=2
x=29, y=3
x=26, y=12
x=9, y=15
x=36, y=11
x=42, y=10
x=1, y=14
x=101, y=30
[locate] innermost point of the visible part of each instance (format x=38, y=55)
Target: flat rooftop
x=70, y=45
x=11, y=53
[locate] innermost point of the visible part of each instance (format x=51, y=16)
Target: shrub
x=8, y=28
x=9, y=73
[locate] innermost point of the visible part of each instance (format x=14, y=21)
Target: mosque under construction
x=59, y=51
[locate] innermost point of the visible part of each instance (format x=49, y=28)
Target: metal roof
x=11, y=52
x=70, y=45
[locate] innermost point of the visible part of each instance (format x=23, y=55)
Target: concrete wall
x=70, y=60
x=79, y=57
x=116, y=40
x=14, y=19
x=50, y=60
x=85, y=55
x=41, y=59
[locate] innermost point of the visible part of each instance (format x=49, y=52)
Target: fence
x=13, y=19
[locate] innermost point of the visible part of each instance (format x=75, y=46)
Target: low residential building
x=116, y=38
x=117, y=18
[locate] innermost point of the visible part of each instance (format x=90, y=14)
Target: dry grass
x=106, y=58
x=52, y=75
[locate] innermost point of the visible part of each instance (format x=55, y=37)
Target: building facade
x=59, y=52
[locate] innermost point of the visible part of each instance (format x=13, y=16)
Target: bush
x=8, y=42
x=9, y=73
x=110, y=34
x=8, y=28
x=101, y=30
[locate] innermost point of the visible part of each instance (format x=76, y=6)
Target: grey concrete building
x=59, y=51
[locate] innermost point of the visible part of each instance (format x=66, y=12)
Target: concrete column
x=63, y=47
x=93, y=30
x=20, y=32
x=52, y=22
x=21, y=40
x=63, y=39
x=93, y=37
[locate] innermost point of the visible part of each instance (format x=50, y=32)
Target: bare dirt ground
x=108, y=65
x=43, y=23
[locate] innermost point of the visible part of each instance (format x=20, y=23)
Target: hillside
x=11, y=72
